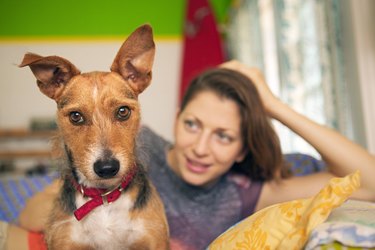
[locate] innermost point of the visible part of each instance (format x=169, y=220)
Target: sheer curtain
x=298, y=44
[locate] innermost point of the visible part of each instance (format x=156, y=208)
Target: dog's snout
x=106, y=168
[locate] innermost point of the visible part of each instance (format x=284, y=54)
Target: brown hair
x=264, y=160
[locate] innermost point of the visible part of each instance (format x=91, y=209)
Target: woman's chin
x=198, y=180
x=193, y=179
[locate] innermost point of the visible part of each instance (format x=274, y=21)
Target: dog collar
x=100, y=196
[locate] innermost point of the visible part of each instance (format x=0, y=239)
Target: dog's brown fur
x=92, y=129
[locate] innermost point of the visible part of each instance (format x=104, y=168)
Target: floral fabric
x=287, y=225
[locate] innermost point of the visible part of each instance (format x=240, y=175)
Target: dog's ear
x=52, y=72
x=135, y=58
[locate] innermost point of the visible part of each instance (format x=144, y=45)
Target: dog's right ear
x=135, y=58
x=52, y=73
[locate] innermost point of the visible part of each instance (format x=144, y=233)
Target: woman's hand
x=270, y=101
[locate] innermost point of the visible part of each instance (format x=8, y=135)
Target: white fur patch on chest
x=108, y=226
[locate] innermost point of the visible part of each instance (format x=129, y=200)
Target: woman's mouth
x=196, y=167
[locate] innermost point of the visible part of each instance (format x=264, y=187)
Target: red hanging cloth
x=202, y=47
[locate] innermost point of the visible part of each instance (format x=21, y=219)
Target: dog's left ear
x=135, y=58
x=52, y=72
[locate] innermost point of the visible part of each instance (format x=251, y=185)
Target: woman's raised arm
x=341, y=155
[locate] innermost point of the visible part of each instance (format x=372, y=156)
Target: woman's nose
x=201, y=145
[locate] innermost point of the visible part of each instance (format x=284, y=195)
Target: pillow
x=303, y=164
x=15, y=190
x=350, y=225
x=287, y=225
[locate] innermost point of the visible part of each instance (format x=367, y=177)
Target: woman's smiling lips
x=196, y=167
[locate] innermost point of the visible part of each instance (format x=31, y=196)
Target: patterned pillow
x=287, y=225
x=16, y=190
x=350, y=225
x=303, y=164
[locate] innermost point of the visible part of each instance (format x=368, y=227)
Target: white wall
x=20, y=99
x=363, y=20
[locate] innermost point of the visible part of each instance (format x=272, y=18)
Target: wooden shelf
x=25, y=154
x=24, y=133
x=6, y=135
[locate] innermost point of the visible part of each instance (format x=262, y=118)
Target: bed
x=350, y=226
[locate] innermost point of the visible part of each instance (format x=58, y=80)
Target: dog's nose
x=106, y=168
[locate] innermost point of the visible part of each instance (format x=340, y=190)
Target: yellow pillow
x=287, y=225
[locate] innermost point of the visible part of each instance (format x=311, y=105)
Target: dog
x=106, y=200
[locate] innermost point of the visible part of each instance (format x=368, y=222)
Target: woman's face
x=207, y=139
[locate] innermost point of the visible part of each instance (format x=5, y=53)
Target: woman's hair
x=264, y=160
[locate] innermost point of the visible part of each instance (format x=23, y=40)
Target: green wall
x=94, y=18
x=21, y=19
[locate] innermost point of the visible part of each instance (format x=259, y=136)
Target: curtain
x=202, y=45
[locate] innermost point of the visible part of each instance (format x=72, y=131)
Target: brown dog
x=106, y=201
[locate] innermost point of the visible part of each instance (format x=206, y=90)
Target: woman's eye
x=123, y=113
x=76, y=118
x=223, y=137
x=191, y=125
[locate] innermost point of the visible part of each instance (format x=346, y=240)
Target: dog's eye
x=76, y=118
x=123, y=113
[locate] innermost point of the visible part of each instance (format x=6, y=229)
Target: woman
x=226, y=161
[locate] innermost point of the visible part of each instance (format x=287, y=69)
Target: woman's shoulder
x=150, y=145
x=146, y=135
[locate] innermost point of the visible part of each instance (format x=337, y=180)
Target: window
x=298, y=45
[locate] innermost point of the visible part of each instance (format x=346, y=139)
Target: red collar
x=100, y=196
